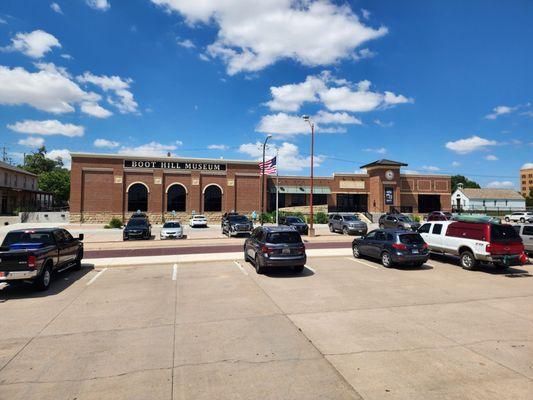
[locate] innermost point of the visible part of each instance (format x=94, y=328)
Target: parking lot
x=345, y=329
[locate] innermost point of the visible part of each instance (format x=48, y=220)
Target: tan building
x=105, y=186
x=18, y=191
x=526, y=181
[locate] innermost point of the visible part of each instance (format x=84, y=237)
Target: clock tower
x=384, y=180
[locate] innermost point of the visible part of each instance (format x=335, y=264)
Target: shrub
x=416, y=218
x=321, y=218
x=114, y=223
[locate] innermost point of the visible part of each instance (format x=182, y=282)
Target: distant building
x=526, y=181
x=487, y=199
x=18, y=191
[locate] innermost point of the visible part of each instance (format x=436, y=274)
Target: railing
x=495, y=211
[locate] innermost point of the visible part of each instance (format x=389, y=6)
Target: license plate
x=286, y=251
x=415, y=251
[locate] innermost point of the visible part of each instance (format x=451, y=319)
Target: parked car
x=526, y=233
x=225, y=216
x=475, y=241
x=347, y=224
x=235, y=224
x=521, y=217
x=439, y=216
x=35, y=254
x=171, y=230
x=392, y=246
x=296, y=222
x=397, y=221
x=279, y=246
x=137, y=228
x=198, y=220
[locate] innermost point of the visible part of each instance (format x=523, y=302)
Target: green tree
x=467, y=183
x=52, y=175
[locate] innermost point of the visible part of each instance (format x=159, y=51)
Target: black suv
x=275, y=247
x=235, y=224
x=392, y=246
x=398, y=221
x=137, y=228
x=296, y=222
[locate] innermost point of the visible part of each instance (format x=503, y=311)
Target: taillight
x=32, y=262
x=488, y=249
x=399, y=246
x=425, y=246
x=267, y=250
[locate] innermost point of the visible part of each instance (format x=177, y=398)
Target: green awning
x=300, y=189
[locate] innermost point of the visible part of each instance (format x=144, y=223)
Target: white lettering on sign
x=352, y=184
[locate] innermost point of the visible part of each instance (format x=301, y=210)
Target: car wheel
x=468, y=261
x=386, y=259
x=125, y=238
x=355, y=251
x=381, y=226
x=418, y=264
x=246, y=257
x=345, y=231
x=258, y=268
x=331, y=228
x=298, y=269
x=42, y=282
x=522, y=220
x=77, y=262
x=507, y=219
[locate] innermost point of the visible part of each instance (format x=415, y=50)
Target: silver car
x=171, y=230
x=526, y=233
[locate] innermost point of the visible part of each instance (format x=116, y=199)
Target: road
x=345, y=329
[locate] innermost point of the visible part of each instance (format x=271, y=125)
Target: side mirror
x=81, y=236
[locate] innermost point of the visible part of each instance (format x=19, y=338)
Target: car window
x=60, y=238
x=371, y=235
x=424, y=228
x=68, y=236
x=502, y=233
x=411, y=238
x=381, y=236
x=390, y=218
x=283, y=237
x=27, y=237
x=350, y=218
x=137, y=222
x=437, y=229
x=294, y=220
x=390, y=238
x=238, y=218
x=528, y=230
x=338, y=217
x=405, y=219
x=171, y=225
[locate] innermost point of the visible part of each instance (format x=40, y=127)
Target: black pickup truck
x=35, y=254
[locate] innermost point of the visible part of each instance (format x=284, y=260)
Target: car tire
x=418, y=264
x=258, y=268
x=381, y=226
x=77, y=262
x=42, y=282
x=355, y=251
x=246, y=257
x=507, y=219
x=298, y=269
x=331, y=228
x=468, y=261
x=522, y=220
x=386, y=259
x=345, y=231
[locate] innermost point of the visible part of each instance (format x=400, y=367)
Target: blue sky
x=443, y=86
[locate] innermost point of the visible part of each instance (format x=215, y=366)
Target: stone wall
x=155, y=218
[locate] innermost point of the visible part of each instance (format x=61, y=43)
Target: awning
x=300, y=189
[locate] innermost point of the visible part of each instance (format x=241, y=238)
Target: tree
x=52, y=175
x=467, y=183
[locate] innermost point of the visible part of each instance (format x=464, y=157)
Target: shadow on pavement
x=510, y=272
x=287, y=272
x=60, y=281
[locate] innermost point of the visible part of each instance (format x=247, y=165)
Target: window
x=212, y=198
x=528, y=230
x=381, y=236
x=284, y=237
x=59, y=236
x=437, y=229
x=371, y=235
x=68, y=236
x=424, y=228
x=176, y=198
x=412, y=238
x=137, y=198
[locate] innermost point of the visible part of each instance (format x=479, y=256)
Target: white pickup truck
x=474, y=242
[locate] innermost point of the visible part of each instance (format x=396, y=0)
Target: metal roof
x=491, y=194
x=14, y=169
x=384, y=162
x=300, y=189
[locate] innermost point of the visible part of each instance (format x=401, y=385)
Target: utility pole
x=311, y=216
x=263, y=180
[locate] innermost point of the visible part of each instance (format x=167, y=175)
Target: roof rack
x=481, y=219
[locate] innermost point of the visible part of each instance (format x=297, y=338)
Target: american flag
x=269, y=167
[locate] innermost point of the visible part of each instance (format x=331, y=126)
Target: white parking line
x=96, y=276
x=175, y=272
x=362, y=262
x=238, y=264
x=310, y=269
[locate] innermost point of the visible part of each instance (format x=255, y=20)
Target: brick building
x=105, y=186
x=526, y=181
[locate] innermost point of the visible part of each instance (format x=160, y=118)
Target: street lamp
x=263, y=180
x=307, y=119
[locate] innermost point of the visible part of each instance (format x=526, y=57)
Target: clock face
x=389, y=175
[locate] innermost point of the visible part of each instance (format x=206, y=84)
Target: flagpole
x=277, y=190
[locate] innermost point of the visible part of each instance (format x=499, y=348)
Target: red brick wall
x=246, y=199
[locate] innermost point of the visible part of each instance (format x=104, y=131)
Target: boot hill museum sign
x=193, y=166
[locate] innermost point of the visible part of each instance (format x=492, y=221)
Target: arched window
x=176, y=198
x=213, y=198
x=137, y=197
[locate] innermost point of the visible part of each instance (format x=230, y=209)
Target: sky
x=444, y=86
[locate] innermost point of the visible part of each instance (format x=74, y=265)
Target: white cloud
x=56, y=8
x=3, y=21
x=491, y=157
x=67, y=56
x=63, y=154
x=289, y=157
x=104, y=143
x=282, y=124
x=254, y=35
x=52, y=69
x=188, y=44
x=336, y=118
x=363, y=53
x=366, y=13
x=456, y=164
x=527, y=166
x=501, y=185
x=218, y=147
x=379, y=150
x=500, y=110
x=473, y=143
x=48, y=127
x=410, y=172
x=291, y=97
x=383, y=124
x=124, y=100
x=32, y=141
x=152, y=149
x=95, y=110
x=102, y=5
x=431, y=168
x=33, y=44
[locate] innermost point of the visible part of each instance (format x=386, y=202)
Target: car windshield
x=350, y=218
x=411, y=238
x=294, y=220
x=405, y=219
x=283, y=237
x=27, y=237
x=238, y=218
x=503, y=233
x=171, y=225
x=137, y=222
x=198, y=217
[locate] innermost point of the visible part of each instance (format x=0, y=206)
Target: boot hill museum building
x=105, y=186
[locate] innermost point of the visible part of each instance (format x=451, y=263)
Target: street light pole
x=311, y=215
x=263, y=180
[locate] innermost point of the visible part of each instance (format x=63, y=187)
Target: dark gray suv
x=398, y=221
x=347, y=224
